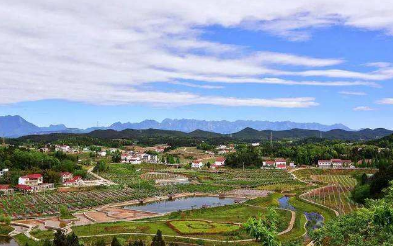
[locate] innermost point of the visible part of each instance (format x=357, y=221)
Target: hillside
x=154, y=136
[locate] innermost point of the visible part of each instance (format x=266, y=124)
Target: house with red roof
x=75, y=181
x=65, y=176
x=196, y=164
x=6, y=189
x=31, y=179
x=220, y=161
x=33, y=183
x=279, y=163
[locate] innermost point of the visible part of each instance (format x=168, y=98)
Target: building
x=4, y=171
x=33, y=183
x=278, y=163
x=102, y=153
x=65, y=176
x=268, y=163
x=334, y=163
x=75, y=181
x=31, y=179
x=255, y=144
x=197, y=164
x=324, y=163
x=6, y=189
x=220, y=161
x=63, y=148
x=135, y=160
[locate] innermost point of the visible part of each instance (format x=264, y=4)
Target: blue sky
x=305, y=61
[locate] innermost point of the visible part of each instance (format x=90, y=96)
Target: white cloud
x=379, y=64
x=353, y=93
x=363, y=108
x=386, y=101
x=290, y=59
x=99, y=52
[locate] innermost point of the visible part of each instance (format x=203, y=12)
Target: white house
x=63, y=148
x=135, y=160
x=31, y=179
x=33, y=183
x=65, y=176
x=255, y=144
x=4, y=171
x=102, y=153
x=220, y=161
x=197, y=164
x=324, y=163
x=280, y=163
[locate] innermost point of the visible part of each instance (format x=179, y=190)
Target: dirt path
x=101, y=179
x=291, y=223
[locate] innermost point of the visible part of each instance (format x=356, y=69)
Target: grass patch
x=201, y=227
x=42, y=235
x=5, y=230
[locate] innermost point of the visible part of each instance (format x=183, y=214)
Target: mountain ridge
x=16, y=126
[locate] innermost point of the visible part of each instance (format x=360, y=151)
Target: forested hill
x=154, y=136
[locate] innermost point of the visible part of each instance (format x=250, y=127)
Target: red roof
x=23, y=187
x=76, y=178
x=4, y=187
x=33, y=176
x=221, y=159
x=336, y=160
x=323, y=160
x=270, y=162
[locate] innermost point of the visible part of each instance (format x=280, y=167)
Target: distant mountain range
x=16, y=126
x=155, y=136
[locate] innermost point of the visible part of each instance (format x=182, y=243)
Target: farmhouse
x=75, y=181
x=334, y=163
x=324, y=163
x=65, y=176
x=6, y=189
x=278, y=163
x=33, y=183
x=197, y=164
x=220, y=161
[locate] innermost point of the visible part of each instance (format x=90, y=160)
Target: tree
x=264, y=229
x=116, y=157
x=137, y=243
x=72, y=240
x=60, y=239
x=115, y=242
x=47, y=243
x=158, y=240
x=100, y=242
x=371, y=225
x=101, y=166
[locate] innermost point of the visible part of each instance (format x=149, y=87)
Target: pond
x=284, y=203
x=183, y=204
x=314, y=220
x=7, y=241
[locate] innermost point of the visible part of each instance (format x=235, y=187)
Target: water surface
x=183, y=204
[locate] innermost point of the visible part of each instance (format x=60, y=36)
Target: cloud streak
x=95, y=52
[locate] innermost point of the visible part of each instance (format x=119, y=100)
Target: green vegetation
x=264, y=229
x=371, y=225
x=201, y=227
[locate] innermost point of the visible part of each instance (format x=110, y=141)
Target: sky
x=86, y=63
